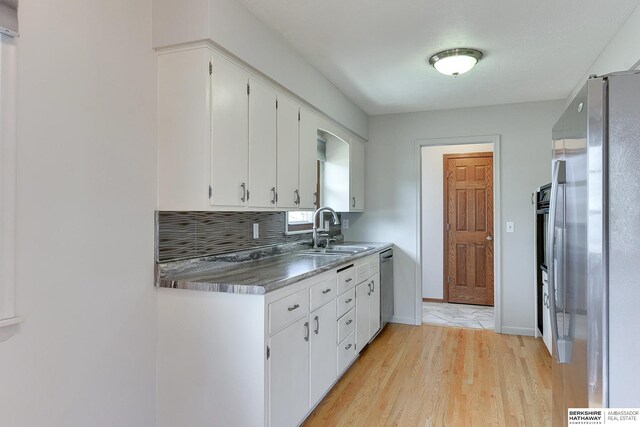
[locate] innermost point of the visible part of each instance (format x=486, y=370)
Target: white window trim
x=8, y=88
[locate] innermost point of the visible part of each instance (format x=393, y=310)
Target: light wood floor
x=440, y=376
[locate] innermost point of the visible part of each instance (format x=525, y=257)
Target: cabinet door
x=229, y=133
x=363, y=292
x=323, y=363
x=184, y=126
x=356, y=171
x=374, y=306
x=262, y=145
x=287, y=124
x=308, y=179
x=289, y=375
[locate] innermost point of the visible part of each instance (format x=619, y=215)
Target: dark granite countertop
x=255, y=272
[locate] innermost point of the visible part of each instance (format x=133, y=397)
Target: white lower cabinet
x=322, y=364
x=368, y=305
x=289, y=374
x=280, y=352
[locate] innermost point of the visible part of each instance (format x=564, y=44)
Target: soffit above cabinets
x=376, y=51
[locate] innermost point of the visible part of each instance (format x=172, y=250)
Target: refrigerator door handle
x=562, y=343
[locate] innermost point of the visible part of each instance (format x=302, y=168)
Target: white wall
x=391, y=180
x=433, y=212
x=233, y=27
x=621, y=53
x=85, y=355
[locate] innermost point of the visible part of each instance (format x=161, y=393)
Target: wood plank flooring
x=441, y=376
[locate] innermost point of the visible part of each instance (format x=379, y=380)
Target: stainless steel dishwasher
x=386, y=286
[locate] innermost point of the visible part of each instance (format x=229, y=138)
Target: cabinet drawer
x=288, y=309
x=323, y=292
x=362, y=272
x=374, y=266
x=346, y=280
x=346, y=302
x=346, y=352
x=347, y=324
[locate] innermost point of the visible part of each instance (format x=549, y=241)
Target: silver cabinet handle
x=315, y=198
x=350, y=321
x=273, y=195
x=317, y=325
x=296, y=197
x=353, y=204
x=348, y=301
x=348, y=280
x=369, y=286
x=373, y=286
x=348, y=347
x=294, y=307
x=244, y=192
x=489, y=238
x=326, y=291
x=306, y=333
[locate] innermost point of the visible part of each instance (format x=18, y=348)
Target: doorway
x=432, y=291
x=468, y=228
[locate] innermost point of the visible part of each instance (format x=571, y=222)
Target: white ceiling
x=375, y=51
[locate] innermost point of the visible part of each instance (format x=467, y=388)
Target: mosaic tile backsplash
x=185, y=235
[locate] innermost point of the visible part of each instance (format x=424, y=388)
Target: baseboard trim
x=514, y=330
x=432, y=300
x=403, y=320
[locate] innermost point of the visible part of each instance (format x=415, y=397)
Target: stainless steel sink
x=349, y=248
x=330, y=251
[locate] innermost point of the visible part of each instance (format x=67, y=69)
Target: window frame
x=8, y=96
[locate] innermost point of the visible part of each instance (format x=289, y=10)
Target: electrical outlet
x=256, y=231
x=510, y=227
x=345, y=224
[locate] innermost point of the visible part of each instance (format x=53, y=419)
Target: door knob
x=489, y=238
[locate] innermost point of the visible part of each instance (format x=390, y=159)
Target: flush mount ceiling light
x=455, y=61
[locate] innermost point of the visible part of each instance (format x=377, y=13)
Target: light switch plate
x=256, y=231
x=510, y=227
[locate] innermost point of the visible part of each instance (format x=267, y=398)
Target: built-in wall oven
x=541, y=200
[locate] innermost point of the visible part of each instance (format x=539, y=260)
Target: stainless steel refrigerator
x=594, y=248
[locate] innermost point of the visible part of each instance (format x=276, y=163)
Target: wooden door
x=468, y=239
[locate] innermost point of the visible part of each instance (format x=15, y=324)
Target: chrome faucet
x=336, y=221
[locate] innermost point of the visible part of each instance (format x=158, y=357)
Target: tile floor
x=458, y=315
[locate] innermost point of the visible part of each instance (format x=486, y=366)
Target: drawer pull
x=294, y=307
x=348, y=280
x=348, y=347
x=306, y=331
x=326, y=291
x=350, y=321
x=348, y=301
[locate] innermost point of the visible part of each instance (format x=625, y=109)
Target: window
x=8, y=80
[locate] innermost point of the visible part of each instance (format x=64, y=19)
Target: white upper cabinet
x=184, y=115
x=308, y=158
x=356, y=175
x=344, y=173
x=288, y=131
x=229, y=133
x=262, y=145
x=228, y=139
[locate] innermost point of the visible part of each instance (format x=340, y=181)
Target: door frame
x=497, y=215
x=445, y=205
